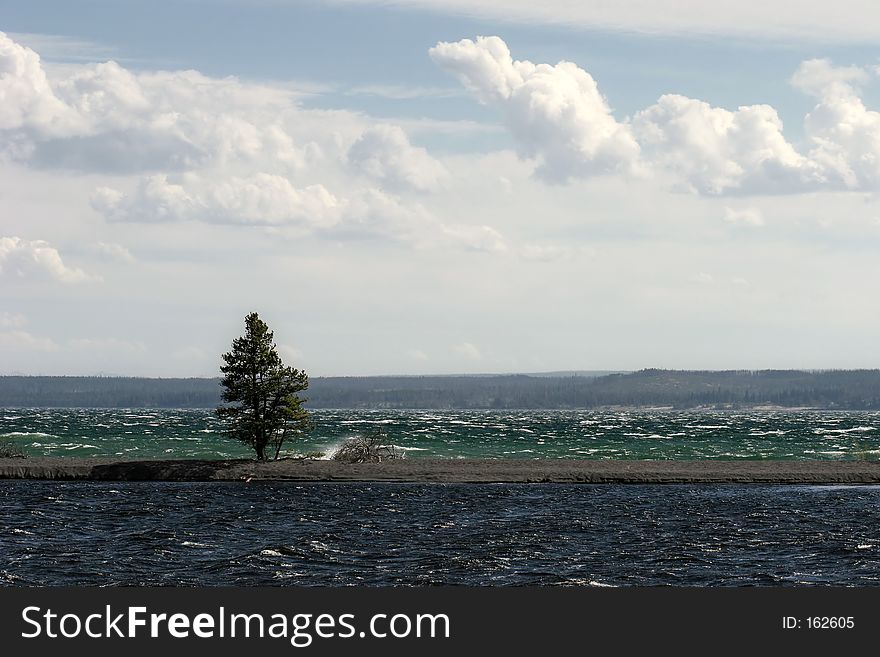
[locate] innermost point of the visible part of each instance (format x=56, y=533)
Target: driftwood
x=372, y=447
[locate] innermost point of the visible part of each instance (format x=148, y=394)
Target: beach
x=429, y=470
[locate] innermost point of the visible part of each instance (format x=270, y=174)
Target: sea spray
x=607, y=434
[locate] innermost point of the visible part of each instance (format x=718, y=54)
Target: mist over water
x=151, y=433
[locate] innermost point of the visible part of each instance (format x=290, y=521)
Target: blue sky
x=407, y=198
x=351, y=47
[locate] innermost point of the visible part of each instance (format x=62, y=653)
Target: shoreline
x=568, y=471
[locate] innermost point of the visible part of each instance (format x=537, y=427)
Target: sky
x=439, y=186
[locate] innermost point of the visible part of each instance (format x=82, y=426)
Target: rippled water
x=450, y=434
x=413, y=534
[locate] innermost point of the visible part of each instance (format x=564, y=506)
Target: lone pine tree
x=262, y=407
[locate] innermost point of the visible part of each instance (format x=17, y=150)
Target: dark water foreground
x=173, y=533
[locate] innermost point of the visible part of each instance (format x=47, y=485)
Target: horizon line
x=545, y=374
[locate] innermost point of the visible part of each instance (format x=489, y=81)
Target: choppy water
x=492, y=434
x=97, y=533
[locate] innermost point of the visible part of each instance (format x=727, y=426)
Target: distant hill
x=844, y=389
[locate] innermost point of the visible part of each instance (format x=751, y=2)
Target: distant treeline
x=845, y=389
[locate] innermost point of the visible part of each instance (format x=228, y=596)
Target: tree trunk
x=261, y=451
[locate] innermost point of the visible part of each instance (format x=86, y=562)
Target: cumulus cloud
x=272, y=201
x=819, y=77
x=744, y=217
x=262, y=199
x=106, y=118
x=372, y=214
x=845, y=134
x=560, y=120
x=22, y=259
x=154, y=121
x=715, y=150
x=103, y=117
x=385, y=153
x=221, y=151
x=26, y=99
x=556, y=112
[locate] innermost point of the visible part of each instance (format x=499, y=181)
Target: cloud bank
x=219, y=151
x=562, y=122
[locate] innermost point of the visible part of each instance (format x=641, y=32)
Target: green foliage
x=262, y=407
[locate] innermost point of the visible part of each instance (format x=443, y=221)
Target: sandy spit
x=451, y=471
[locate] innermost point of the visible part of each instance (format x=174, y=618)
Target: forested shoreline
x=843, y=389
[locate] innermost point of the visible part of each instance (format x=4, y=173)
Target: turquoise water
x=152, y=433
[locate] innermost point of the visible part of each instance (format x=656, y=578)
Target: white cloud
x=15, y=338
x=113, y=251
x=468, y=350
x=220, y=151
x=845, y=134
x=165, y=120
x=475, y=238
x=819, y=77
x=744, y=216
x=262, y=199
x=12, y=320
x=26, y=99
x=845, y=20
x=384, y=153
x=22, y=259
x=715, y=150
x=290, y=355
x=556, y=113
x=106, y=118
x=560, y=120
x=18, y=339
x=103, y=117
x=272, y=201
x=417, y=355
